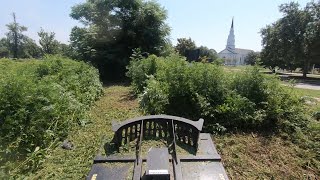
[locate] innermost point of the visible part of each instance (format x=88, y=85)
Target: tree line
x=293, y=41
x=111, y=31
x=16, y=44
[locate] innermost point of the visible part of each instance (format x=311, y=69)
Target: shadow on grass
x=128, y=97
x=110, y=148
x=298, y=78
x=148, y=142
x=109, y=84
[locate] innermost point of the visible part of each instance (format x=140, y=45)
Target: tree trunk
x=305, y=67
x=15, y=37
x=15, y=48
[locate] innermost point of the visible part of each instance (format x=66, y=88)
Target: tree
x=16, y=44
x=184, y=45
x=252, y=58
x=4, y=48
x=291, y=41
x=66, y=50
x=48, y=43
x=29, y=49
x=270, y=54
x=112, y=29
x=208, y=53
x=312, y=34
x=15, y=36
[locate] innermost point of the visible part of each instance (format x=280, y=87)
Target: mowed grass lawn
x=308, y=92
x=245, y=155
x=116, y=104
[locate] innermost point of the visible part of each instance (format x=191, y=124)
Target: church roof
x=237, y=51
x=243, y=51
x=228, y=51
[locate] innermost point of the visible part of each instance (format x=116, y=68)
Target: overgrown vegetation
x=240, y=100
x=61, y=164
x=245, y=155
x=40, y=100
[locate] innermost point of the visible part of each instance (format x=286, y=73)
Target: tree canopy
x=112, y=29
x=186, y=44
x=208, y=53
x=15, y=36
x=18, y=45
x=48, y=43
x=292, y=41
x=252, y=58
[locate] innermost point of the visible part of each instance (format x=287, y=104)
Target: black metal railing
x=158, y=126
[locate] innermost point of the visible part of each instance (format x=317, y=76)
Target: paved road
x=307, y=86
x=313, y=81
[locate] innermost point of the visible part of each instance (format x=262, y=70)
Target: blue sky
x=207, y=22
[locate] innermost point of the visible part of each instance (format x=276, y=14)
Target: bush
x=139, y=71
x=242, y=100
x=40, y=100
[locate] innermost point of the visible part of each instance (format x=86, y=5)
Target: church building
x=233, y=56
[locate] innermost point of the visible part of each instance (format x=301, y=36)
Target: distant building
x=232, y=55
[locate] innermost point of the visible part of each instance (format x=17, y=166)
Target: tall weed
x=40, y=100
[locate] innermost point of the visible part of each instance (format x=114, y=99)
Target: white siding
x=232, y=58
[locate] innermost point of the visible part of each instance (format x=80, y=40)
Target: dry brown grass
x=253, y=156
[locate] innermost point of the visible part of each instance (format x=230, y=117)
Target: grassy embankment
x=245, y=155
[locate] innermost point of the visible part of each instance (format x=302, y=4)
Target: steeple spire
x=231, y=42
x=232, y=23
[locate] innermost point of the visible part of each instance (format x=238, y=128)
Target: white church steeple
x=231, y=42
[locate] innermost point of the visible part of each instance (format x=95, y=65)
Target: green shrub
x=139, y=70
x=155, y=98
x=40, y=100
x=242, y=100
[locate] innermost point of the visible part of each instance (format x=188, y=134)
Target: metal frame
x=173, y=129
x=162, y=126
x=187, y=131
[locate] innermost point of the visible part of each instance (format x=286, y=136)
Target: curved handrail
x=197, y=124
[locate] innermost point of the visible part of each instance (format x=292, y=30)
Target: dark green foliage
x=29, y=49
x=114, y=28
x=18, y=45
x=238, y=100
x=242, y=100
x=4, y=48
x=15, y=36
x=47, y=42
x=252, y=58
x=292, y=41
x=40, y=100
x=184, y=44
x=208, y=53
x=139, y=71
